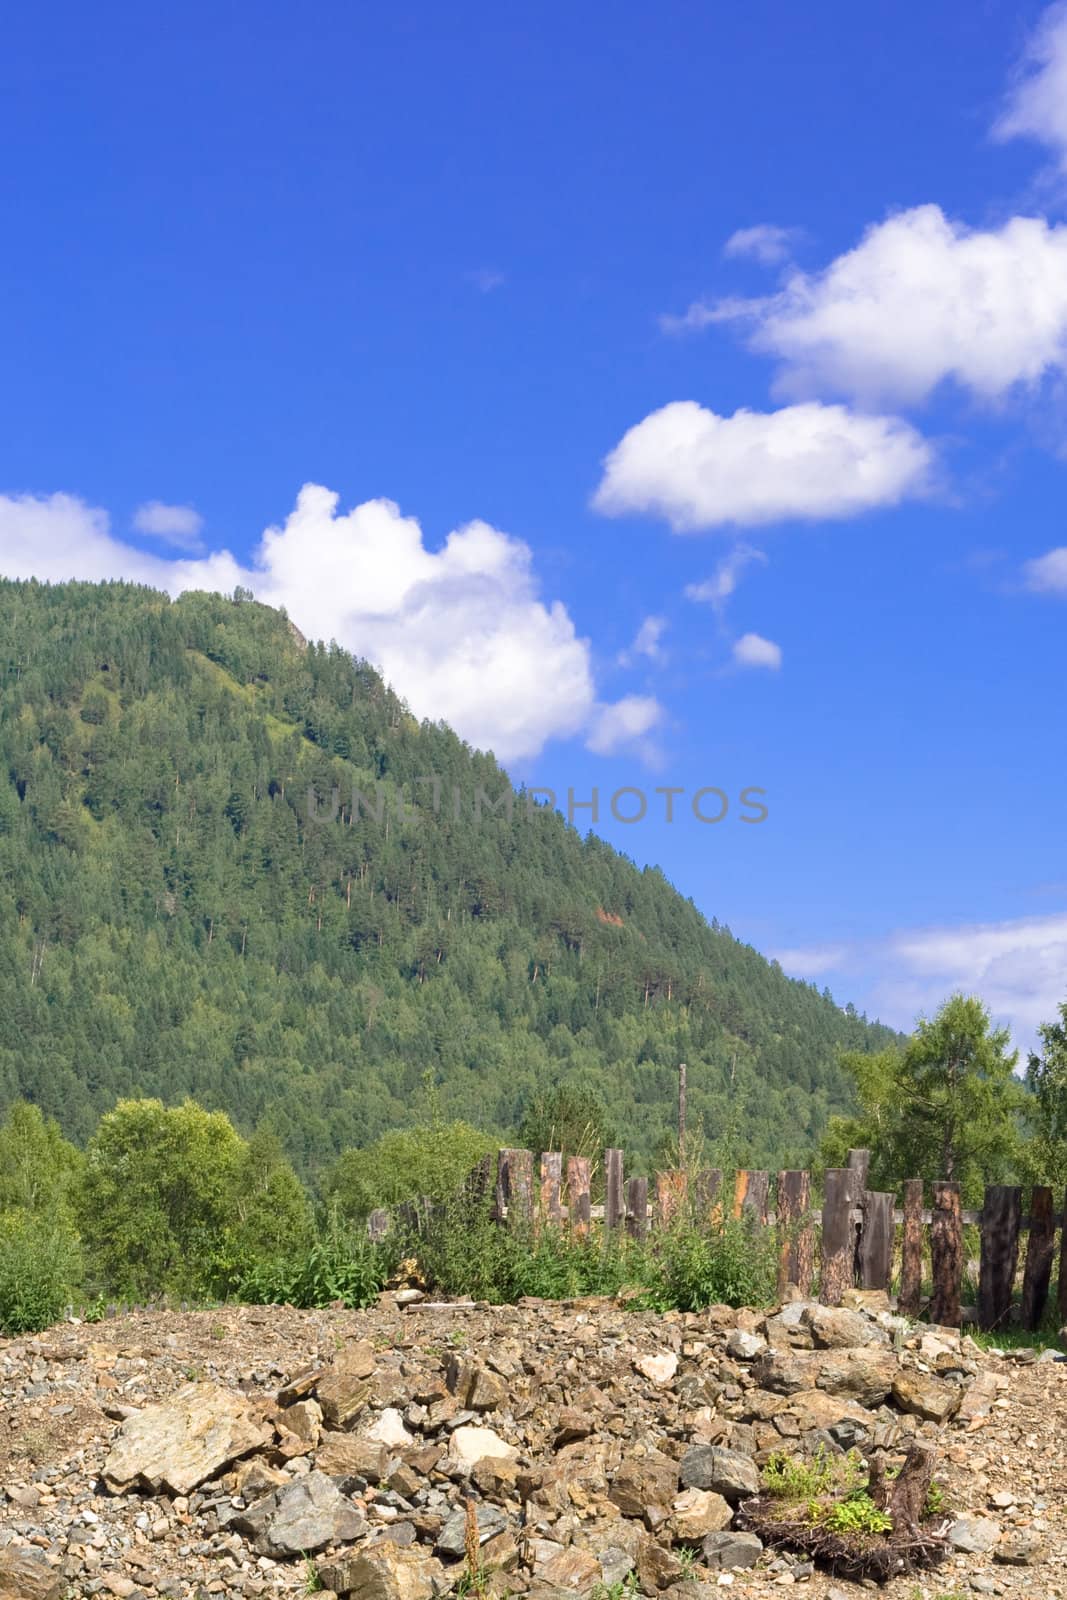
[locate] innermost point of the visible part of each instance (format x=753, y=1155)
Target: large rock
x=182, y=1442
x=469, y=1444
x=724, y=1550
x=574, y=1571
x=975, y=1536
x=343, y=1397
x=26, y=1575
x=698, y=1512
x=347, y=1455
x=452, y=1539
x=865, y=1375
x=726, y=1471
x=835, y=1328
x=925, y=1396
x=384, y=1571
x=644, y=1481
x=815, y=1409
x=658, y=1369
x=475, y=1387
x=306, y=1515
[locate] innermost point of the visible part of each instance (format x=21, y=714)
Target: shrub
x=38, y=1271
x=341, y=1265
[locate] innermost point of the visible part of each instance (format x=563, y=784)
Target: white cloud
x=919, y=300
x=1047, y=574
x=766, y=243
x=176, y=525
x=460, y=632
x=751, y=650
x=1018, y=968
x=1036, y=108
x=699, y=470
x=646, y=642
x=692, y=320
x=717, y=589
x=625, y=722
x=486, y=279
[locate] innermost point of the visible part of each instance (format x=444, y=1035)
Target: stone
x=389, y=1430
x=469, y=1444
x=343, y=1397
x=475, y=1387
x=723, y=1550
x=344, y=1455
x=573, y=1570
x=975, y=1536
x=255, y=1478
x=304, y=1419
x=615, y=1564
x=26, y=1575
x=1021, y=1549
x=836, y=1328
x=572, y=1426
x=358, y=1357
x=452, y=1539
x=726, y=1471
x=742, y=1346
x=384, y=1571
x=814, y=1409
x=644, y=1481
x=659, y=1370
x=306, y=1515
x=697, y=1512
x=182, y=1442
x=923, y=1395
x=657, y=1567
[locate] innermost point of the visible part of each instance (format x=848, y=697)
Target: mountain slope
x=176, y=918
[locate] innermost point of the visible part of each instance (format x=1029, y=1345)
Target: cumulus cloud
x=920, y=300
x=1015, y=966
x=751, y=650
x=176, y=525
x=1047, y=574
x=699, y=470
x=628, y=721
x=460, y=632
x=717, y=589
x=766, y=243
x=1036, y=107
x=646, y=642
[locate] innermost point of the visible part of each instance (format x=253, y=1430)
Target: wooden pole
x=614, y=1201
x=876, y=1240
x=946, y=1255
x=681, y=1112
x=1037, y=1273
x=551, y=1188
x=837, y=1242
x=1001, y=1218
x=911, y=1249
x=637, y=1208
x=796, y=1238
x=578, y=1194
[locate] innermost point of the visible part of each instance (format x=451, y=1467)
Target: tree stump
x=904, y=1497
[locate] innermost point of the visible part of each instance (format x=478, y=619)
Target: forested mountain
x=176, y=920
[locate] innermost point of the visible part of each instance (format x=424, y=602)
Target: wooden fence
x=851, y=1240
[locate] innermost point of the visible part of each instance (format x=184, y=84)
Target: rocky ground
x=585, y=1448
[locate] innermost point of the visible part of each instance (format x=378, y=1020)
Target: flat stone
x=836, y=1328
x=343, y=1397
x=384, y=1571
x=469, y=1444
x=452, y=1539
x=1022, y=1549
x=182, y=1442
x=923, y=1395
x=723, y=1550
x=644, y=1481
x=306, y=1515
x=697, y=1512
x=975, y=1536
x=659, y=1370
x=728, y=1472
x=574, y=1571
x=26, y=1575
x=344, y=1455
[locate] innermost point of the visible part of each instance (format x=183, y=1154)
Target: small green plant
x=687, y=1560
x=790, y=1478
x=857, y=1514
x=95, y=1311
x=312, y=1580
x=935, y=1505
x=623, y=1589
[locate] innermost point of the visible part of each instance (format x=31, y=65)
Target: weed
x=624, y=1589
x=312, y=1580
x=857, y=1514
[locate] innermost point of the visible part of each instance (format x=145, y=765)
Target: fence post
x=796, y=1238
x=750, y=1194
x=1037, y=1273
x=838, y=1252
x=551, y=1187
x=514, y=1187
x=946, y=1255
x=1061, y=1288
x=876, y=1240
x=708, y=1204
x=1001, y=1218
x=911, y=1249
x=578, y=1194
x=637, y=1208
x=614, y=1203
x=671, y=1191
x=859, y=1164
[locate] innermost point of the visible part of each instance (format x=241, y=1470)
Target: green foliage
x=733, y=1262
x=857, y=1514
x=339, y=1267
x=568, y=1116
x=945, y=1105
x=1046, y=1078
x=430, y=1162
x=174, y=921
x=38, y=1167
x=790, y=1477
x=38, y=1271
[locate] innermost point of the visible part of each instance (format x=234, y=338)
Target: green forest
x=179, y=921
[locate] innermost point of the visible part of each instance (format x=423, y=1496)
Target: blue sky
x=681, y=390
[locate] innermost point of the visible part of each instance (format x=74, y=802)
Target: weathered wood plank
x=1001, y=1215
x=946, y=1255
x=838, y=1249
x=552, y=1187
x=578, y=1194
x=637, y=1208
x=751, y=1191
x=672, y=1188
x=1061, y=1287
x=614, y=1199
x=876, y=1240
x=1037, y=1274
x=514, y=1187
x=796, y=1236
x=911, y=1249
x=707, y=1197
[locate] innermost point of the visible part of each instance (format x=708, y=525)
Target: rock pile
x=545, y=1449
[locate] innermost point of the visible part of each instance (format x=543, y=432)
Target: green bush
x=341, y=1265
x=733, y=1262
x=38, y=1271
